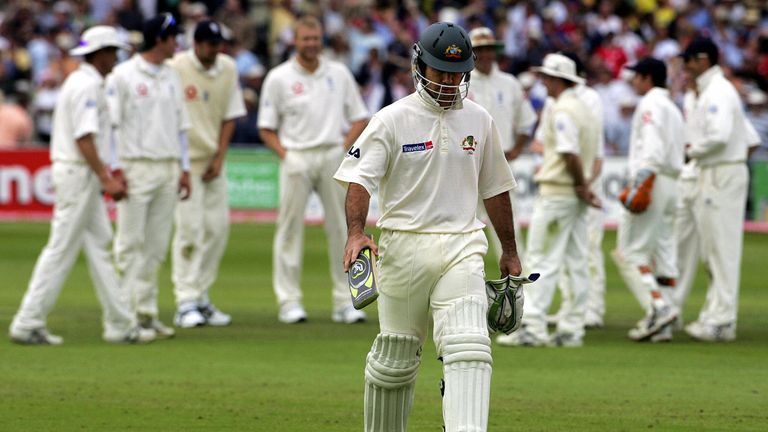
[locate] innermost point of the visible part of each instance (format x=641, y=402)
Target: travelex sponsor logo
x=417, y=147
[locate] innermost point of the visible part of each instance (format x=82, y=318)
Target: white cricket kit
x=719, y=138
x=501, y=94
x=656, y=144
x=212, y=97
x=79, y=216
x=595, y=225
x=557, y=237
x=309, y=111
x=148, y=114
x=430, y=166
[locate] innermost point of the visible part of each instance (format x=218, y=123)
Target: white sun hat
x=560, y=66
x=96, y=38
x=482, y=37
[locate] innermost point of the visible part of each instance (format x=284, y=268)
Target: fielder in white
x=502, y=95
x=557, y=237
x=214, y=100
x=431, y=155
x=79, y=146
x=305, y=104
x=654, y=163
x=718, y=143
x=150, y=120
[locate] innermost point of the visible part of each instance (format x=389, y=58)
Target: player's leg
x=216, y=211
x=59, y=254
x=570, y=326
x=547, y=239
x=288, y=247
x=187, y=254
x=119, y=321
x=406, y=275
x=722, y=214
x=596, y=264
x=332, y=196
x=686, y=239
x=461, y=333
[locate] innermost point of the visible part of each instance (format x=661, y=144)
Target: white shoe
x=292, y=313
x=162, y=331
x=38, y=336
x=593, y=321
x=136, y=335
x=664, y=335
x=521, y=337
x=710, y=333
x=213, y=316
x=565, y=340
x=188, y=318
x=653, y=323
x=348, y=315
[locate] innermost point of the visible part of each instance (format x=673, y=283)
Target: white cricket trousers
x=720, y=208
x=640, y=241
x=557, y=239
x=79, y=221
x=200, y=239
x=687, y=239
x=301, y=172
x=144, y=224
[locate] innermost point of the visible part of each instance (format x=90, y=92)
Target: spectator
x=17, y=124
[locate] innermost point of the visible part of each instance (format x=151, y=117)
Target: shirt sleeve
x=354, y=106
x=113, y=99
x=495, y=174
x=566, y=134
x=85, y=111
x=525, y=118
x=367, y=161
x=750, y=134
x=269, y=103
x=236, y=106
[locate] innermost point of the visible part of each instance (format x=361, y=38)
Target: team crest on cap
x=469, y=144
x=453, y=52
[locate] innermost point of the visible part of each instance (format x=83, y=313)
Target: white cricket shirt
x=310, y=109
x=657, y=140
x=81, y=109
x=717, y=129
x=502, y=95
x=146, y=105
x=429, y=164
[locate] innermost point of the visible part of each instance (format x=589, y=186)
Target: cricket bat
x=362, y=279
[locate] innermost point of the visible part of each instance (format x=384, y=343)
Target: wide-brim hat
x=560, y=66
x=483, y=37
x=97, y=38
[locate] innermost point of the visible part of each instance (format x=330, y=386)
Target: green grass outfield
x=258, y=375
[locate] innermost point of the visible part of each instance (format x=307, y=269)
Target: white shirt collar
x=299, y=68
x=91, y=70
x=213, y=71
x=702, y=82
x=147, y=67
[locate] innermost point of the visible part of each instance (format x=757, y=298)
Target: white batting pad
x=634, y=280
x=465, y=349
x=390, y=378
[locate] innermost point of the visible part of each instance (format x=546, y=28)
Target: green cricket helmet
x=445, y=47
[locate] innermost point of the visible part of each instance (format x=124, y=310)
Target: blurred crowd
x=374, y=38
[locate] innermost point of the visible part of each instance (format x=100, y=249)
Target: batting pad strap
x=466, y=347
x=393, y=361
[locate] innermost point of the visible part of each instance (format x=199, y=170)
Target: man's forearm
x=356, y=208
x=499, y=209
x=272, y=141
x=574, y=168
x=225, y=136
x=91, y=156
x=354, y=131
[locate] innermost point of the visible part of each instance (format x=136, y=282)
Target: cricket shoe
x=593, y=321
x=292, y=313
x=213, y=316
x=136, y=335
x=653, y=323
x=188, y=317
x=39, y=336
x=565, y=340
x=522, y=337
x=348, y=315
x=162, y=331
x=711, y=333
x=664, y=335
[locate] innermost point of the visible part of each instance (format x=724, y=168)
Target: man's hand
x=214, y=169
x=585, y=194
x=509, y=264
x=114, y=187
x=513, y=154
x=185, y=185
x=356, y=242
x=118, y=175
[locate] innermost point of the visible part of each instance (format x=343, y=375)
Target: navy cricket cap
x=208, y=31
x=160, y=26
x=701, y=47
x=652, y=67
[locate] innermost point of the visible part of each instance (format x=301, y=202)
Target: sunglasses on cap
x=168, y=22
